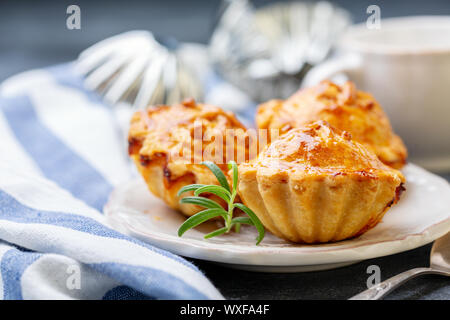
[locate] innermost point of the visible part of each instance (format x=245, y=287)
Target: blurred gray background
x=34, y=34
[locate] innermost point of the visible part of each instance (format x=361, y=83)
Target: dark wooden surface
x=33, y=34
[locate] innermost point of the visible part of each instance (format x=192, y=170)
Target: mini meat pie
x=168, y=143
x=314, y=184
x=344, y=108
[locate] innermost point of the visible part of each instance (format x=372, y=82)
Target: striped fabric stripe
x=64, y=166
x=14, y=262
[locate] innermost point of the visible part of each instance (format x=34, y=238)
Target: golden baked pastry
x=168, y=143
x=344, y=108
x=314, y=184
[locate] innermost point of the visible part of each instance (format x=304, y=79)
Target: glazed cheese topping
x=186, y=134
x=319, y=148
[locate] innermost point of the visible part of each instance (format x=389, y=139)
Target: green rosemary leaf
x=190, y=187
x=200, y=201
x=217, y=232
x=218, y=173
x=214, y=209
x=254, y=219
x=240, y=220
x=199, y=218
x=233, y=165
x=217, y=190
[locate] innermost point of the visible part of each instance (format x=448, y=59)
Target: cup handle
x=348, y=65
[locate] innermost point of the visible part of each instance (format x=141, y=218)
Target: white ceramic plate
x=421, y=216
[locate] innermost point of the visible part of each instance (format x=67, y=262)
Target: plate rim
x=291, y=255
x=315, y=257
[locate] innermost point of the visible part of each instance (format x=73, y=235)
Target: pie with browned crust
x=345, y=108
x=315, y=184
x=168, y=144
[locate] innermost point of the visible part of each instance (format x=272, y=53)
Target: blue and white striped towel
x=59, y=160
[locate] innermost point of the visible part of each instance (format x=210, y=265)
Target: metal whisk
x=135, y=68
x=267, y=52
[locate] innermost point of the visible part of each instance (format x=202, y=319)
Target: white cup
x=406, y=66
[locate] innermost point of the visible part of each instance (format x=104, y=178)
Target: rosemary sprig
x=213, y=209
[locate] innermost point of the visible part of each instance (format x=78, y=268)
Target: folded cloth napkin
x=60, y=157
